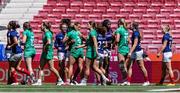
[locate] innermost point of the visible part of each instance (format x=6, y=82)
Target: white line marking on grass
x=163, y=90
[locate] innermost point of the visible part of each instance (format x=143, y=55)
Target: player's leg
x=72, y=60
x=61, y=59
x=122, y=67
x=163, y=73
x=87, y=71
x=143, y=69
x=52, y=68
x=43, y=62
x=96, y=68
x=170, y=72
x=129, y=70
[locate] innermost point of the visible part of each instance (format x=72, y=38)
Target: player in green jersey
x=47, y=54
x=29, y=49
x=122, y=39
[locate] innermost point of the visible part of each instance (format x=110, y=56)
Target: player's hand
x=59, y=48
x=8, y=47
x=129, y=55
x=158, y=55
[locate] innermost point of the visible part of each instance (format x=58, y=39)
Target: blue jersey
x=58, y=42
x=167, y=37
x=109, y=39
x=101, y=40
x=16, y=48
x=135, y=35
x=8, y=39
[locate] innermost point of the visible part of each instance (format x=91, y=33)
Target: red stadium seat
x=76, y=4
x=169, y=22
x=58, y=11
x=71, y=16
x=113, y=10
x=94, y=16
x=157, y=5
x=49, y=6
x=174, y=16
x=153, y=26
x=170, y=5
x=151, y=22
x=166, y=11
x=177, y=10
x=153, y=11
x=116, y=5
x=81, y=16
x=103, y=5
x=139, y=11
x=126, y=10
x=86, y=11
x=135, y=16
x=129, y=5
x=161, y=16
x=118, y=16
x=72, y=11
x=91, y=5
x=176, y=22
x=148, y=16
x=108, y=16
x=102, y=11
x=63, y=4
x=143, y=5
x=153, y=48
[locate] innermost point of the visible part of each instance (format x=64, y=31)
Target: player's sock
x=14, y=76
x=68, y=80
x=172, y=80
x=22, y=70
x=39, y=80
x=146, y=78
x=129, y=79
x=104, y=77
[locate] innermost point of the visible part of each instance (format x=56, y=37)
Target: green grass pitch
x=113, y=88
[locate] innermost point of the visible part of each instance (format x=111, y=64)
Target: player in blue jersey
x=109, y=38
x=136, y=53
x=62, y=50
x=166, y=51
x=16, y=57
x=101, y=40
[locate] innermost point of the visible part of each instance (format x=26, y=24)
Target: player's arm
x=117, y=39
x=15, y=42
x=162, y=48
x=82, y=36
x=66, y=38
x=95, y=44
x=81, y=46
x=134, y=46
x=56, y=43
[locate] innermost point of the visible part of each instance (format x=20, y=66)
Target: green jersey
x=30, y=39
x=29, y=50
x=48, y=54
x=123, y=47
x=74, y=35
x=90, y=43
x=91, y=52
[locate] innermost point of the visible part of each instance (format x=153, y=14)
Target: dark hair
x=135, y=25
x=13, y=25
x=47, y=25
x=66, y=21
x=26, y=25
x=60, y=26
x=101, y=29
x=105, y=23
x=93, y=24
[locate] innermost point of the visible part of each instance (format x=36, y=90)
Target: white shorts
x=63, y=56
x=167, y=56
x=137, y=55
x=15, y=57
x=107, y=53
x=8, y=53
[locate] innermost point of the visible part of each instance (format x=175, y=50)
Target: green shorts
x=124, y=50
x=29, y=53
x=77, y=53
x=47, y=55
x=91, y=55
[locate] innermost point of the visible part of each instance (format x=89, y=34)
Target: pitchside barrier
x=153, y=68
